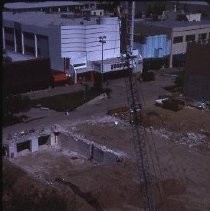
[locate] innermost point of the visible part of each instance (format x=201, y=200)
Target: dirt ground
x=59, y=179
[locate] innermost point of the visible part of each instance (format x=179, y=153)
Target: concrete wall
x=88, y=150
x=34, y=146
x=57, y=63
x=66, y=141
x=12, y=151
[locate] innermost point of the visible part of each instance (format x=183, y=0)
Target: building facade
x=70, y=39
x=178, y=32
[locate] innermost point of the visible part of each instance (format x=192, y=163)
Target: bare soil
x=178, y=152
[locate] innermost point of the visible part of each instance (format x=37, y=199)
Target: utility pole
x=102, y=40
x=140, y=145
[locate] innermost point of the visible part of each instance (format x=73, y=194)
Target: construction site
x=140, y=148
x=92, y=166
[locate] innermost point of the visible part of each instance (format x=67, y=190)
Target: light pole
x=102, y=40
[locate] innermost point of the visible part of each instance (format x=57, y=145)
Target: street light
x=102, y=40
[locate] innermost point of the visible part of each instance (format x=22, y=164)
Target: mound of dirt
x=22, y=192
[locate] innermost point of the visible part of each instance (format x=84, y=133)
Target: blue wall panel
x=157, y=46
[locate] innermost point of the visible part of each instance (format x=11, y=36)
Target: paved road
x=45, y=118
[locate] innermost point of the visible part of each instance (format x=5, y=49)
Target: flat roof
x=175, y=24
x=192, y=2
x=29, y=5
x=43, y=19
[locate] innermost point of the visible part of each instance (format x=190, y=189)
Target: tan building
x=179, y=32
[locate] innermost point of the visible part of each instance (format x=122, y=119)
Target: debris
x=170, y=103
x=66, y=113
x=199, y=105
x=44, y=108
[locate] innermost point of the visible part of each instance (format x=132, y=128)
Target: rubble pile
x=190, y=139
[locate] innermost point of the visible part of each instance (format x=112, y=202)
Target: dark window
x=190, y=38
x=8, y=30
x=178, y=39
x=78, y=65
x=23, y=145
x=54, y=9
x=62, y=9
x=9, y=42
x=202, y=36
x=29, y=49
x=28, y=35
x=115, y=66
x=112, y=67
x=42, y=140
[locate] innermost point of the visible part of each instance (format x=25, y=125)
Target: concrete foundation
x=90, y=150
x=70, y=141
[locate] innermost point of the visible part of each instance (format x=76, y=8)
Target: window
x=202, y=36
x=10, y=43
x=178, y=39
x=30, y=50
x=79, y=65
x=112, y=67
x=9, y=30
x=28, y=35
x=190, y=38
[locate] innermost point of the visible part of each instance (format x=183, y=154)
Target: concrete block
x=110, y=157
x=34, y=146
x=53, y=139
x=98, y=154
x=12, y=150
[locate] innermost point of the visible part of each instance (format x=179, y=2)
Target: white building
x=70, y=40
